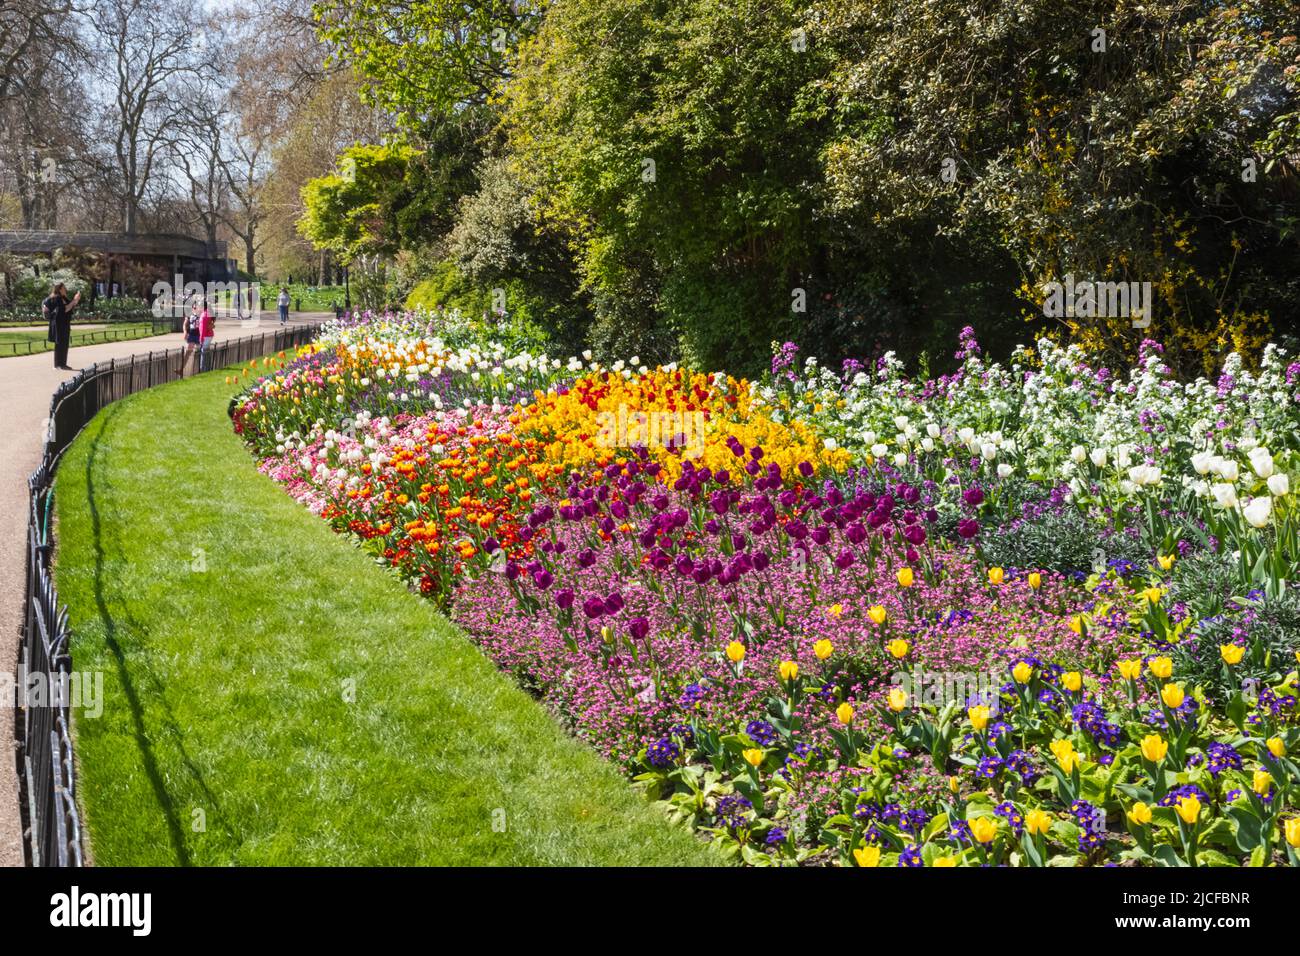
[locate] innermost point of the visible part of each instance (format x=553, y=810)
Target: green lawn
x=229, y=624
x=28, y=342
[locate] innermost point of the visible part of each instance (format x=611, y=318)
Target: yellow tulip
x=867, y=856
x=1260, y=782
x=1065, y=755
x=897, y=699
x=996, y=576
x=1035, y=580
x=1188, y=809
x=607, y=635
x=954, y=784
x=1172, y=695
x=1022, y=672
x=823, y=649
x=1276, y=747
x=1140, y=814
x=844, y=713
x=877, y=613
x=1077, y=625
x=1161, y=667
x=835, y=610
x=736, y=652
x=979, y=716
x=1072, y=681
x=983, y=829
x=1292, y=828
x=1038, y=821
x=1166, y=561
x=1231, y=653
x=1152, y=595
x=789, y=670
x=753, y=756
x=905, y=577
x=1130, y=669
x=898, y=648
x=944, y=861
x=1154, y=747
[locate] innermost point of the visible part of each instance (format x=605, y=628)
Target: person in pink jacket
x=207, y=332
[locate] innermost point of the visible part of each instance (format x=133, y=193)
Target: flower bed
x=1034, y=614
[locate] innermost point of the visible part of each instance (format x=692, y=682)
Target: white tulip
x=1279, y=484
x=927, y=444
x=1224, y=495
x=932, y=430
x=1078, y=454
x=900, y=460
x=1098, y=456
x=989, y=451
x=1262, y=462
x=1005, y=470
x=1202, y=461
x=1257, y=512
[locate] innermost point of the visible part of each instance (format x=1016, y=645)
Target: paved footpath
x=26, y=384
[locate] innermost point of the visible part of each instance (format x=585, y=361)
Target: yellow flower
x=867, y=856
x=1140, y=814
x=954, y=783
x=1154, y=747
x=1065, y=755
x=1022, y=672
x=1231, y=653
x=1188, y=809
x=1038, y=821
x=897, y=699
x=736, y=652
x=898, y=648
x=996, y=575
x=789, y=670
x=1166, y=561
x=983, y=829
x=1035, y=580
x=1077, y=625
x=877, y=613
x=823, y=649
x=905, y=577
x=944, y=861
x=1152, y=595
x=1161, y=667
x=607, y=635
x=753, y=756
x=1292, y=828
x=1172, y=695
x=1276, y=747
x=835, y=610
x=1072, y=681
x=979, y=716
x=844, y=713
x=1130, y=669
x=1260, y=781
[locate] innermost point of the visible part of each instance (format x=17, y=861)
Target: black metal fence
x=113, y=332
x=52, y=824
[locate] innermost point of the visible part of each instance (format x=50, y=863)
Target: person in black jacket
x=59, y=311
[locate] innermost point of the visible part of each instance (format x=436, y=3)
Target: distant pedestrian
x=58, y=312
x=283, y=303
x=189, y=361
x=207, y=332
